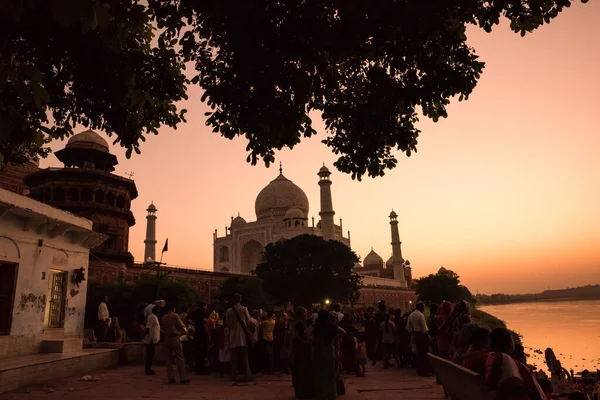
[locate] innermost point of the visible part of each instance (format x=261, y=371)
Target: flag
x=166, y=248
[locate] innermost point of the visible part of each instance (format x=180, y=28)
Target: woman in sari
x=444, y=331
x=302, y=376
x=323, y=334
x=506, y=377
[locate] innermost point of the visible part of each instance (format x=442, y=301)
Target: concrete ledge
x=19, y=372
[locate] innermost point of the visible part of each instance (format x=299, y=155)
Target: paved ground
x=129, y=383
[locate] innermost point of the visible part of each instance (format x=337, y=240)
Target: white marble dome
x=372, y=259
x=278, y=197
x=88, y=140
x=294, y=212
x=390, y=263
x=237, y=221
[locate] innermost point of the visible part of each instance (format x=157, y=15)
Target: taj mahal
x=282, y=210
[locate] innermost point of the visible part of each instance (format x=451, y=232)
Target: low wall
x=25, y=371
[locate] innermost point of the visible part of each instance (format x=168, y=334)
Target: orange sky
x=505, y=191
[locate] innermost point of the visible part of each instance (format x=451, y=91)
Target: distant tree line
x=581, y=292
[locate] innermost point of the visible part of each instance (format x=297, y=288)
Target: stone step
x=62, y=346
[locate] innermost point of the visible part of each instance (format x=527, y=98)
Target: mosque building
x=281, y=213
x=281, y=210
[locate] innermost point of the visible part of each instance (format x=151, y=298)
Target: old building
x=12, y=176
x=281, y=213
x=87, y=186
x=43, y=252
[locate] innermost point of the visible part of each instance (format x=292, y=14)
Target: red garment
x=510, y=379
x=474, y=359
x=444, y=339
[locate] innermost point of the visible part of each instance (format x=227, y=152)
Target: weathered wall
x=35, y=265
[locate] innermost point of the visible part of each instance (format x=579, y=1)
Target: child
x=361, y=354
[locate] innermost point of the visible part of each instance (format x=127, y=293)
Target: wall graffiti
x=70, y=311
x=31, y=303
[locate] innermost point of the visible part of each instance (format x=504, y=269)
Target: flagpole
x=158, y=269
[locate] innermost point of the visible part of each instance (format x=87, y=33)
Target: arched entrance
x=252, y=254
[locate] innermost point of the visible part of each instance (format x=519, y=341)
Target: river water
x=570, y=328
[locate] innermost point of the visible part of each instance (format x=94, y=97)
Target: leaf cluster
x=308, y=269
x=442, y=286
x=367, y=67
x=88, y=62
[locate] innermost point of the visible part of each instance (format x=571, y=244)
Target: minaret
x=150, y=242
x=397, y=260
x=326, y=213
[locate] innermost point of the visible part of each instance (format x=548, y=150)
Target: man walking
x=201, y=337
x=152, y=337
x=238, y=319
x=417, y=327
x=173, y=327
x=103, y=319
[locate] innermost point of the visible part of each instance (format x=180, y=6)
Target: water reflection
x=570, y=328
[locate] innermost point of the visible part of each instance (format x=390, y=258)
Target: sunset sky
x=505, y=191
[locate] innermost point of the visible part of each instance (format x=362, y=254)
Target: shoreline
x=542, y=300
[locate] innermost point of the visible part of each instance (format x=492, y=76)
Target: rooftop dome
x=237, y=221
x=88, y=140
x=152, y=207
x=357, y=265
x=278, y=197
x=390, y=263
x=294, y=212
x=393, y=214
x=372, y=259
x=324, y=170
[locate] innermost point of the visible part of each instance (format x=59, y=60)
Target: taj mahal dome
x=282, y=210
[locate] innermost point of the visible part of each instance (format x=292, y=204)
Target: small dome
x=278, y=197
x=324, y=170
x=373, y=259
x=357, y=265
x=407, y=263
x=88, y=140
x=294, y=212
x=393, y=214
x=237, y=221
x=152, y=207
x=390, y=263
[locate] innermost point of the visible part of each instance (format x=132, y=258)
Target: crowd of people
x=319, y=346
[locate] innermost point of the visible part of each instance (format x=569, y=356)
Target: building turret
x=326, y=213
x=150, y=242
x=397, y=260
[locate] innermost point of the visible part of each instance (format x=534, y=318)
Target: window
x=99, y=197
x=120, y=203
x=73, y=195
x=59, y=194
x=87, y=195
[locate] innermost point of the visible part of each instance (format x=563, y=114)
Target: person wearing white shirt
x=417, y=327
x=148, y=309
x=152, y=337
x=103, y=319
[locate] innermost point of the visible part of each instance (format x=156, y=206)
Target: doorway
x=56, y=299
x=8, y=285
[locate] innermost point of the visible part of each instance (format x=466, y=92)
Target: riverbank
x=539, y=300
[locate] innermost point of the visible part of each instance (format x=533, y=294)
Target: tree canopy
x=367, y=67
x=124, y=300
x=251, y=289
x=308, y=269
x=445, y=285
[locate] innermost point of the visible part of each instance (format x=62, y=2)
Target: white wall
x=34, y=275
x=31, y=295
